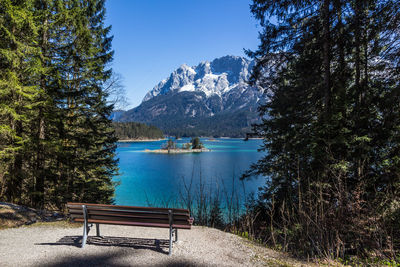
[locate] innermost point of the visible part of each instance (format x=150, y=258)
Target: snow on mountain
x=212, y=78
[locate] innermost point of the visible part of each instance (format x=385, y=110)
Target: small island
x=140, y=140
x=195, y=146
x=177, y=150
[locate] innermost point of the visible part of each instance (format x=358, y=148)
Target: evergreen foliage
x=19, y=68
x=171, y=144
x=331, y=127
x=235, y=124
x=57, y=143
x=196, y=144
x=186, y=146
x=136, y=130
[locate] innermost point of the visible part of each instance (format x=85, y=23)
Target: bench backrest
x=129, y=215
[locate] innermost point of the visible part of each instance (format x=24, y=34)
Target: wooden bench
x=90, y=214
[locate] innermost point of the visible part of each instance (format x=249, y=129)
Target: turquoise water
x=150, y=178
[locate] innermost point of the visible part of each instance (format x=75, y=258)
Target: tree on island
x=196, y=144
x=186, y=146
x=169, y=145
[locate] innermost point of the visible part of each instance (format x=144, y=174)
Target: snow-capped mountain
x=213, y=78
x=209, y=97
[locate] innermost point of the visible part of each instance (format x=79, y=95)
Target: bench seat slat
x=119, y=219
x=125, y=219
x=116, y=218
x=111, y=213
x=158, y=225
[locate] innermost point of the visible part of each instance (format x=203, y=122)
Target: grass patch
x=278, y=263
x=12, y=216
x=61, y=224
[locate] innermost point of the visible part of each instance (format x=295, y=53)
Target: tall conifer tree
x=19, y=69
x=327, y=133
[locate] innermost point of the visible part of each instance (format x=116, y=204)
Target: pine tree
x=19, y=68
x=88, y=138
x=326, y=68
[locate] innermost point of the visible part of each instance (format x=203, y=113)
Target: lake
x=160, y=179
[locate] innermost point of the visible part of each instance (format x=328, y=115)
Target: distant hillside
x=136, y=131
x=210, y=99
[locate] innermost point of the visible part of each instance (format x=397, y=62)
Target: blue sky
x=154, y=37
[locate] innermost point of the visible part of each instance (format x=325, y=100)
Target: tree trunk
x=39, y=186
x=326, y=56
x=357, y=44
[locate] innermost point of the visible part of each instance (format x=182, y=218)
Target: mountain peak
x=212, y=78
x=184, y=66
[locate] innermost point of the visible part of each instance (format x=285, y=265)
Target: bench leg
x=86, y=226
x=170, y=241
x=86, y=230
x=98, y=230
x=170, y=216
x=176, y=235
x=85, y=233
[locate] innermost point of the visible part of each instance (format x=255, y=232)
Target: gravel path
x=131, y=246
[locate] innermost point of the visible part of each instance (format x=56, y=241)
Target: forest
x=57, y=143
x=330, y=70
x=331, y=129
x=136, y=131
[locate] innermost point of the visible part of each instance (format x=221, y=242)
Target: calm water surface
x=150, y=178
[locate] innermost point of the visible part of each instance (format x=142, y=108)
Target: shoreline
x=177, y=151
x=139, y=140
x=240, y=138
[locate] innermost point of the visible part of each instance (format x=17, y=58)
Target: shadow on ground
x=111, y=259
x=136, y=243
